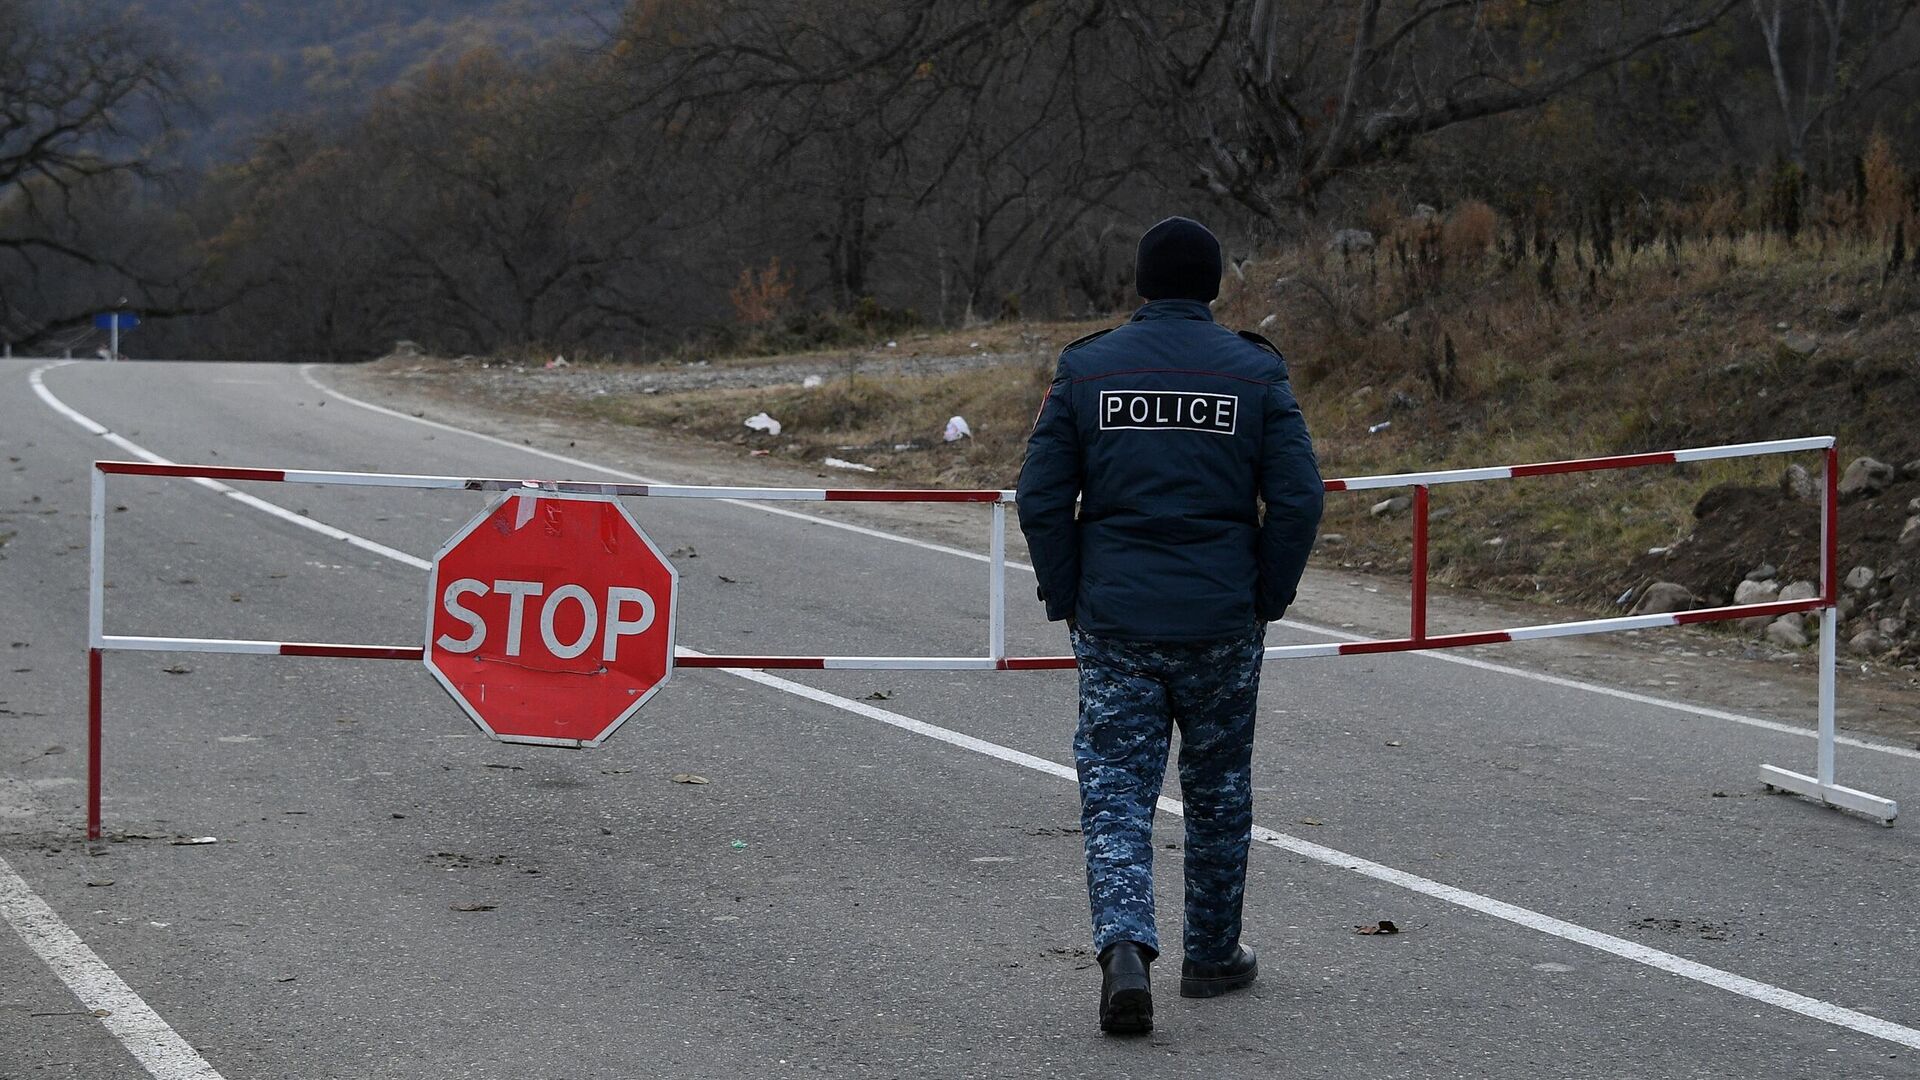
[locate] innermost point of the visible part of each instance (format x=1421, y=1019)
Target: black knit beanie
x=1178, y=260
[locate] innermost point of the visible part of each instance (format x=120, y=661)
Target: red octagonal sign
x=550, y=618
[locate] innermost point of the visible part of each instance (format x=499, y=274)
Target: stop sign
x=550, y=618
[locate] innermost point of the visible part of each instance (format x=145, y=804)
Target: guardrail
x=1820, y=786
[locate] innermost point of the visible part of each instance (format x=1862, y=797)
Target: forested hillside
x=250, y=61
x=774, y=173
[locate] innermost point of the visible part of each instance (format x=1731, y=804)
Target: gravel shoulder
x=1703, y=667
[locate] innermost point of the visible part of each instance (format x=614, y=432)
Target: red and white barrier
x=1820, y=787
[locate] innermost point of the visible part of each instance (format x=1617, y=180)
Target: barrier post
x=997, y=586
x=1820, y=786
x=96, y=609
x=1420, y=562
x=1829, y=615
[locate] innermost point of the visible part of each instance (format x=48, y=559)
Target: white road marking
x=154, y=1044
x=1628, y=695
x=306, y=373
x=131, y=447
x=1765, y=993
x=1753, y=989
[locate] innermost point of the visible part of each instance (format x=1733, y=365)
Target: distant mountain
x=253, y=60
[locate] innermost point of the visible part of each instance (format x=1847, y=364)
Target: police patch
x=1169, y=410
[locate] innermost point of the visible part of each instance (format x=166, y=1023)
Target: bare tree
x=1847, y=50
x=1323, y=87
x=81, y=98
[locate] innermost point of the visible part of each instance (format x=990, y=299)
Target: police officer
x=1198, y=500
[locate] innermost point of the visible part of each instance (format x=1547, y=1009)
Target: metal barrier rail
x=1820, y=787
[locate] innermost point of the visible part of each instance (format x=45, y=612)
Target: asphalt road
x=852, y=894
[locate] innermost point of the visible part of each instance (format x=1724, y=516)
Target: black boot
x=1126, y=1000
x=1212, y=980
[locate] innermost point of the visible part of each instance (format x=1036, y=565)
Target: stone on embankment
x=1756, y=592
x=1663, y=598
x=1796, y=482
x=1859, y=578
x=1799, y=590
x=1865, y=476
x=1786, y=633
x=1869, y=643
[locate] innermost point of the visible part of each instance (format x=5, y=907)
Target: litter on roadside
x=1375, y=429
x=957, y=429
x=763, y=422
x=837, y=463
x=192, y=841
x=556, y=362
x=812, y=382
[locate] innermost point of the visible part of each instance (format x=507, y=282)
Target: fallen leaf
x=99, y=884
x=879, y=695
x=473, y=907
x=1311, y=821
x=688, y=778
x=1393, y=742
x=1384, y=926
x=510, y=768
x=177, y=669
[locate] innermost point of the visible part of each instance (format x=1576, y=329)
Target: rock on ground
x=1348, y=241
x=1663, y=597
x=1865, y=476
x=1787, y=634
x=1399, y=504
x=1800, y=590
x=1797, y=482
x=1870, y=643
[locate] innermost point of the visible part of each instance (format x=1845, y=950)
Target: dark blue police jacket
x=1171, y=431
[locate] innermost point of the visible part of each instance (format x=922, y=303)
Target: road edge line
x=306, y=374
x=1694, y=971
x=151, y=1040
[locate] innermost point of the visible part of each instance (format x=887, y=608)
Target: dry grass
x=1668, y=345
x=893, y=423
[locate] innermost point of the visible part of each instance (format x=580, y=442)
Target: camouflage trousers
x=1132, y=693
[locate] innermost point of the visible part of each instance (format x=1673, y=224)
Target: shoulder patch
x=1260, y=341
x=1079, y=341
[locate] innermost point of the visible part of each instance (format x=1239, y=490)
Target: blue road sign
x=106, y=320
